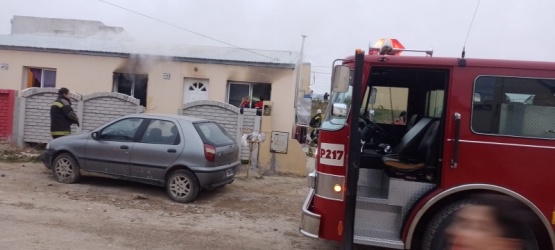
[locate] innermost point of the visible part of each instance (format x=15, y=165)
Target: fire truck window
x=434, y=103
x=390, y=105
x=523, y=107
x=337, y=117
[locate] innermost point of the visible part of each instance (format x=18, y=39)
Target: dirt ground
x=36, y=212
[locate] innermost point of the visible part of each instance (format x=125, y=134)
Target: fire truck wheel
x=436, y=238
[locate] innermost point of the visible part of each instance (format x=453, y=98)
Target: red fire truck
x=406, y=139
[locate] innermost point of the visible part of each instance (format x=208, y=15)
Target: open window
x=40, y=78
x=239, y=90
x=134, y=85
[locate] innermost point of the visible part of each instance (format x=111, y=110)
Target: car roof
x=176, y=117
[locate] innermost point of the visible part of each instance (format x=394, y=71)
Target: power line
x=184, y=29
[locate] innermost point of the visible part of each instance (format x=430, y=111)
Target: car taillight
x=209, y=152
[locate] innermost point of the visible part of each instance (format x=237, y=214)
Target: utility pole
x=299, y=73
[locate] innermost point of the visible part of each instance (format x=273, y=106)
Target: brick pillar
x=7, y=99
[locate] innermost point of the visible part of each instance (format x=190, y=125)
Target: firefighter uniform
x=61, y=117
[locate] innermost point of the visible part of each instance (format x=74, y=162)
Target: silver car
x=184, y=154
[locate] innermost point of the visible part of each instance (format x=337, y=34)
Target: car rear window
x=213, y=134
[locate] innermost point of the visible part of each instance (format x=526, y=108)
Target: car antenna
x=462, y=60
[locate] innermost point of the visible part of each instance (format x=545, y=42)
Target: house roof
x=190, y=53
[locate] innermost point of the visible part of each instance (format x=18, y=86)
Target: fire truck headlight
x=337, y=188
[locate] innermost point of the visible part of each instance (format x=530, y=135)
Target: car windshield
x=213, y=134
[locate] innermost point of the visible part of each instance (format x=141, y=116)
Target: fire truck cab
x=430, y=132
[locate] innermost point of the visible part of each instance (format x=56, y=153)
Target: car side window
x=123, y=130
x=161, y=132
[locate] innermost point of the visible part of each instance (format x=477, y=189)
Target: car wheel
x=66, y=169
x=182, y=186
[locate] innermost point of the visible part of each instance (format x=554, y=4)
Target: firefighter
x=62, y=115
x=315, y=123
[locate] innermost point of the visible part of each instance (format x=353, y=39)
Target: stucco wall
x=88, y=74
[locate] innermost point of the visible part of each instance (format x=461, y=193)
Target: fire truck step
x=378, y=238
x=377, y=218
x=372, y=194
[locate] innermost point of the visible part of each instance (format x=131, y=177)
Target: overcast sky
x=506, y=29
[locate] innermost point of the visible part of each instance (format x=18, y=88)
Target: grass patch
x=11, y=153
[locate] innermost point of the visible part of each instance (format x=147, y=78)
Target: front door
x=160, y=145
x=110, y=152
x=195, y=90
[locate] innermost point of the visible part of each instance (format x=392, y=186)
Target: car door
x=158, y=147
x=110, y=151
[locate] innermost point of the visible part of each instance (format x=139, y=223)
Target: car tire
x=182, y=186
x=66, y=169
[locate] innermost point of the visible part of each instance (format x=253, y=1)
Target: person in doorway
x=492, y=221
x=326, y=96
x=260, y=103
x=62, y=115
x=402, y=120
x=246, y=102
x=315, y=124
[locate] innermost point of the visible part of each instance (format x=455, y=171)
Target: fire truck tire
x=436, y=238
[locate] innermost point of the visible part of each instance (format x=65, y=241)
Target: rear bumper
x=310, y=222
x=47, y=158
x=210, y=178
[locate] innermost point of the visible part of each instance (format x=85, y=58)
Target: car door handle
x=171, y=150
x=124, y=147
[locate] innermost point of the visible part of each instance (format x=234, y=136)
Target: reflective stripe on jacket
x=61, y=115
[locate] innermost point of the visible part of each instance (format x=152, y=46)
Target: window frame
x=116, y=82
x=472, y=98
x=146, y=125
x=133, y=139
x=407, y=99
x=251, y=90
x=205, y=140
x=42, y=69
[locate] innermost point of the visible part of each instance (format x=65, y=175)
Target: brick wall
x=7, y=100
x=100, y=108
x=93, y=110
x=226, y=115
x=36, y=125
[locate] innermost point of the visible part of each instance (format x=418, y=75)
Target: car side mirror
x=94, y=135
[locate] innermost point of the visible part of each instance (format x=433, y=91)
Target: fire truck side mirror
x=341, y=78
